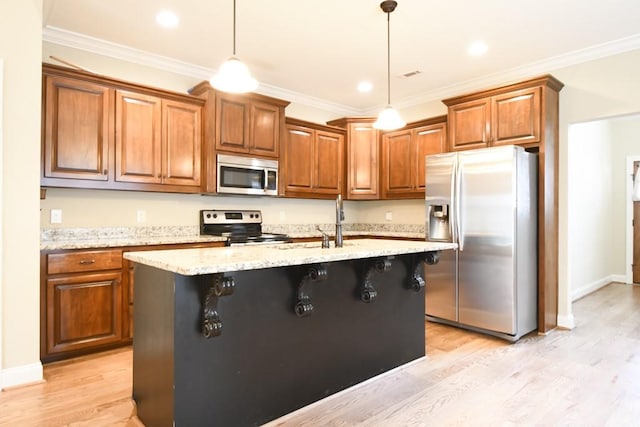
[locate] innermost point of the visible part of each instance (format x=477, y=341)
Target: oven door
x=243, y=175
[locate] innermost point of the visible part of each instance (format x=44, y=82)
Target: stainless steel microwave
x=246, y=175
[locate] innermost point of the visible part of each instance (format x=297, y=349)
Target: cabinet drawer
x=74, y=262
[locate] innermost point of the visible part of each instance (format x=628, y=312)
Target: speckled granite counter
x=105, y=237
x=191, y=262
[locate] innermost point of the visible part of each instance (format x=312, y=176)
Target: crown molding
x=124, y=53
x=120, y=52
x=545, y=66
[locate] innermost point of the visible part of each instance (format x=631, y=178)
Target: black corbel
x=220, y=286
x=416, y=279
x=315, y=273
x=380, y=265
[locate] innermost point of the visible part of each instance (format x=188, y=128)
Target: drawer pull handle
x=87, y=261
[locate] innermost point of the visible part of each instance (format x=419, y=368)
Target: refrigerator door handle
x=452, y=213
x=457, y=197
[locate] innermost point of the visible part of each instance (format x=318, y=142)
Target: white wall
x=21, y=50
x=594, y=90
x=591, y=207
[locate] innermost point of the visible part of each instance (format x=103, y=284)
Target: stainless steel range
x=241, y=227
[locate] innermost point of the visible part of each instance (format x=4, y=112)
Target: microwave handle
x=265, y=179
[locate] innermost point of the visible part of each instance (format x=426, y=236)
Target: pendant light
x=233, y=76
x=389, y=118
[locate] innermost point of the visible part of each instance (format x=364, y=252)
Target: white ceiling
x=320, y=50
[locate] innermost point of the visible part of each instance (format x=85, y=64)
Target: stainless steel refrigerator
x=486, y=201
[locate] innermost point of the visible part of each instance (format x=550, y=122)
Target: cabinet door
x=362, y=161
x=515, y=117
x=469, y=124
x=181, y=143
x=83, y=311
x=77, y=132
x=329, y=162
x=265, y=129
x=298, y=166
x=232, y=124
x=398, y=157
x=427, y=140
x=138, y=141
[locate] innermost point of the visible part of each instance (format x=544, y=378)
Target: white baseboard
x=20, y=375
x=620, y=278
x=566, y=321
x=594, y=286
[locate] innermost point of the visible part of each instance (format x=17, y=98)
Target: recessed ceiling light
x=167, y=19
x=365, y=86
x=477, y=48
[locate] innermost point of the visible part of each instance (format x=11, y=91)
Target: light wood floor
x=589, y=376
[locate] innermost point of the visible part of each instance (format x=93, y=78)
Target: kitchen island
x=242, y=335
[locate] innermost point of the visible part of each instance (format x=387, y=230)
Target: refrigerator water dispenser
x=438, y=226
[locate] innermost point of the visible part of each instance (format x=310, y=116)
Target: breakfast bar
x=243, y=335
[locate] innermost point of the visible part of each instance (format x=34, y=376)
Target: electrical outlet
x=283, y=216
x=56, y=216
x=388, y=216
x=141, y=215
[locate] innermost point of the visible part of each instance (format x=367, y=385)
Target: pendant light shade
x=233, y=76
x=389, y=118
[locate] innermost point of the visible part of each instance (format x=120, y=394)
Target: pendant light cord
x=234, y=27
x=388, y=58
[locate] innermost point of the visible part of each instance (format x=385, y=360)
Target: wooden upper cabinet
x=104, y=133
x=76, y=133
x=297, y=169
x=138, y=140
x=247, y=124
x=362, y=154
x=515, y=117
x=402, y=172
x=181, y=143
x=397, y=158
x=264, y=130
x=313, y=165
x=232, y=124
x=502, y=116
x=469, y=124
x=429, y=139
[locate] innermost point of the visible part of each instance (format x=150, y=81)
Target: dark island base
x=268, y=360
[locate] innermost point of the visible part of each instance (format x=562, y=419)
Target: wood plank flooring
x=589, y=376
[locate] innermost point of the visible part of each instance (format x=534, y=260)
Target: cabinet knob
x=104, y=172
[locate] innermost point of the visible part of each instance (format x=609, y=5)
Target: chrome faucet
x=339, y=219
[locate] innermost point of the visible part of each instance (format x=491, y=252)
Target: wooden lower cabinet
x=81, y=302
x=86, y=299
x=83, y=311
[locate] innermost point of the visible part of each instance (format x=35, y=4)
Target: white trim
x=124, y=53
x=593, y=286
x=102, y=47
x=21, y=375
x=566, y=322
x=629, y=218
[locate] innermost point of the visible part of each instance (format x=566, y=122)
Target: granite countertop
x=112, y=237
x=191, y=262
